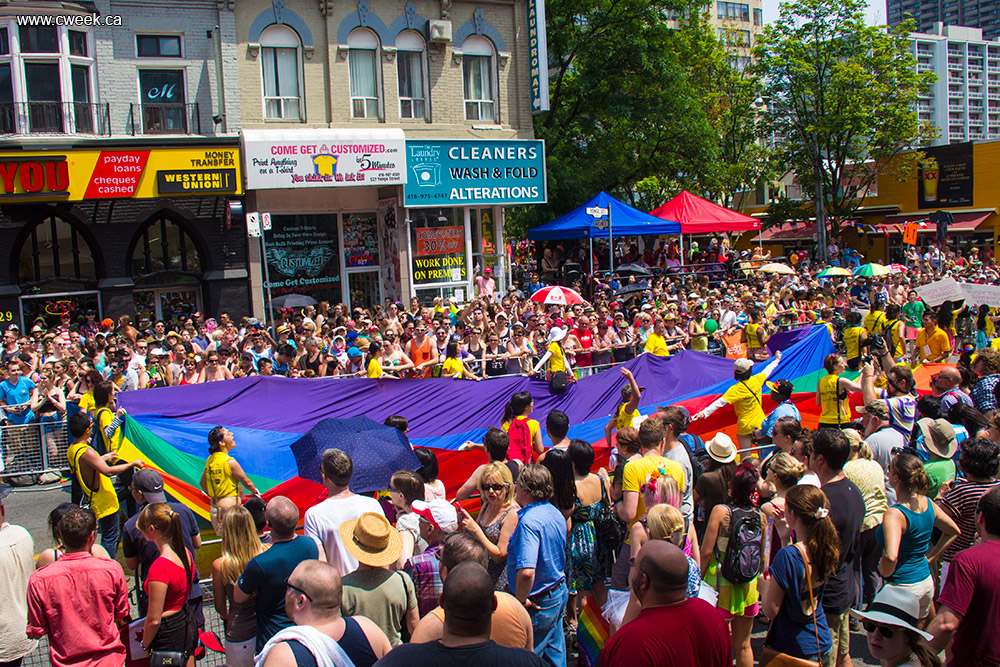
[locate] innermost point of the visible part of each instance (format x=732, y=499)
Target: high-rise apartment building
x=964, y=103
x=983, y=14
x=738, y=24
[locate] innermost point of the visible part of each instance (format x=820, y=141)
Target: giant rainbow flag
x=168, y=427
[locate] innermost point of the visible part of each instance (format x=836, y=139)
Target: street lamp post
x=820, y=212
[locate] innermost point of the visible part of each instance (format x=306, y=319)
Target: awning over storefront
x=788, y=232
x=964, y=222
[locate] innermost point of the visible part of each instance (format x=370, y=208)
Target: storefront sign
x=538, y=56
x=323, y=158
x=302, y=256
x=439, y=241
x=945, y=177
x=444, y=269
x=462, y=173
x=198, y=181
x=142, y=174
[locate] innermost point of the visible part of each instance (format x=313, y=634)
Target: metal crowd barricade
x=33, y=449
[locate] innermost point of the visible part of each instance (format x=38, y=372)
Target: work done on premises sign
x=463, y=173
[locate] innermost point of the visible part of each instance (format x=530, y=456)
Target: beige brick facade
x=325, y=70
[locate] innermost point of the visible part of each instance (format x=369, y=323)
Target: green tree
x=622, y=105
x=842, y=97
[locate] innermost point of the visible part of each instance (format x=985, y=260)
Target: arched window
x=164, y=247
x=478, y=79
x=55, y=251
x=279, y=60
x=410, y=73
x=362, y=58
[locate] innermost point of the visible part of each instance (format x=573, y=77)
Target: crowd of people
x=885, y=519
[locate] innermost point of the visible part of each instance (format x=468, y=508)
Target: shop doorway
x=363, y=289
x=165, y=303
x=50, y=307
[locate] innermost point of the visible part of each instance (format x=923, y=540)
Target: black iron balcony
x=55, y=118
x=164, y=119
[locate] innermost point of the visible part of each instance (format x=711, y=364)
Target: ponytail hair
x=918, y=646
x=516, y=406
x=911, y=473
x=810, y=504
x=168, y=522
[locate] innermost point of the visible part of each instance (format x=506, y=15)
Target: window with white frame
x=45, y=80
x=362, y=59
x=279, y=60
x=478, y=79
x=410, y=75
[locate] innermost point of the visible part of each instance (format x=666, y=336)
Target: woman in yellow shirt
x=453, y=367
x=832, y=391
x=627, y=412
x=222, y=476
x=854, y=339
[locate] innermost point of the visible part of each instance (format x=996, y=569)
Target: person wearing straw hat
x=938, y=437
x=388, y=598
x=890, y=624
x=321, y=634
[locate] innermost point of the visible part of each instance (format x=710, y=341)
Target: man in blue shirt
x=15, y=395
x=536, y=561
x=781, y=393
x=267, y=574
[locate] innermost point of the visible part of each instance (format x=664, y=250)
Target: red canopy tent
x=700, y=216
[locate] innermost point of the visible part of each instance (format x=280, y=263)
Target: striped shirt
x=961, y=501
x=902, y=411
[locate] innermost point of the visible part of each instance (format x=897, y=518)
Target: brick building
x=384, y=138
x=120, y=156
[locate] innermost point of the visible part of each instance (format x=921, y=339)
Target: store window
x=478, y=79
x=438, y=259
x=158, y=46
x=280, y=59
x=162, y=95
x=164, y=247
x=52, y=66
x=362, y=58
x=410, y=73
x=55, y=255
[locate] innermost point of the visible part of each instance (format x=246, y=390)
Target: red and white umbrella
x=560, y=296
x=897, y=268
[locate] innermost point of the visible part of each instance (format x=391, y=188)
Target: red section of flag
x=116, y=174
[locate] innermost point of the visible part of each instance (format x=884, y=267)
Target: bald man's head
x=282, y=516
x=321, y=581
x=661, y=571
x=468, y=601
x=945, y=379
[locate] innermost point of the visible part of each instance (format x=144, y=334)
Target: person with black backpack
x=732, y=558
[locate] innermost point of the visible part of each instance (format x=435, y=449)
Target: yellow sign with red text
x=73, y=175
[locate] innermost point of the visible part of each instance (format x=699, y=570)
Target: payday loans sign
x=469, y=173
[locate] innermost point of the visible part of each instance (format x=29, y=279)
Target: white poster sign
x=936, y=293
x=313, y=158
x=979, y=294
x=253, y=224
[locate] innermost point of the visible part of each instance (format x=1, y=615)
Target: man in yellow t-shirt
x=932, y=344
x=745, y=397
x=656, y=344
x=650, y=467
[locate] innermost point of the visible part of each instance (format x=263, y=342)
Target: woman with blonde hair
x=665, y=522
x=497, y=519
x=798, y=576
x=783, y=474
x=869, y=477
x=240, y=545
x=169, y=625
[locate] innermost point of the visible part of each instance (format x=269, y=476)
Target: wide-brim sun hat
x=721, y=448
x=896, y=607
x=556, y=334
x=371, y=539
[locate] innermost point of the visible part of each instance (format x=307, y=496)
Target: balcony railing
x=55, y=118
x=164, y=119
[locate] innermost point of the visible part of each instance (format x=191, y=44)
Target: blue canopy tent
x=622, y=220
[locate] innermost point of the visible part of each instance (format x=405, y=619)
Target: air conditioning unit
x=439, y=32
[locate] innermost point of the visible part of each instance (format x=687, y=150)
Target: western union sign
x=200, y=181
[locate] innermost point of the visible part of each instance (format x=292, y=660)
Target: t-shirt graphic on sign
x=326, y=165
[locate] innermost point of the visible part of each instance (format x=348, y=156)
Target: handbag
x=609, y=529
x=166, y=659
x=771, y=658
